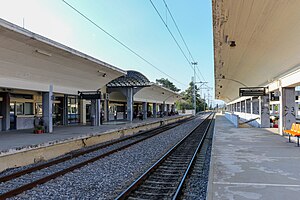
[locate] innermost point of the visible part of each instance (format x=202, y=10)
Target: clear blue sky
x=135, y=23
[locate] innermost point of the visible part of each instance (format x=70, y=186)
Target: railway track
x=195, y=186
x=166, y=178
x=18, y=182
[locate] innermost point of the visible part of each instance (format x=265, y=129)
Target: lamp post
x=194, y=87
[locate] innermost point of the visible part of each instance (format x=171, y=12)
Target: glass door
x=73, y=110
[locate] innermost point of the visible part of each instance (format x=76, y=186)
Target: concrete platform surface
x=16, y=140
x=252, y=163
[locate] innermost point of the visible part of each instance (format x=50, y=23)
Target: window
x=20, y=108
x=28, y=108
x=23, y=108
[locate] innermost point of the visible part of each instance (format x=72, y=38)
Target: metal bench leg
x=289, y=138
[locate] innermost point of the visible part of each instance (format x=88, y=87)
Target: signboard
x=274, y=96
x=252, y=91
x=90, y=95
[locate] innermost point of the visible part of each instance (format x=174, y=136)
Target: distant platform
x=252, y=163
x=22, y=147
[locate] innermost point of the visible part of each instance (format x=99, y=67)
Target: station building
x=41, y=79
x=256, y=44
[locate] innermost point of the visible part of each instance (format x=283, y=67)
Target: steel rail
x=146, y=174
x=179, y=188
x=45, y=179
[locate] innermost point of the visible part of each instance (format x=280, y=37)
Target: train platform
x=252, y=163
x=22, y=147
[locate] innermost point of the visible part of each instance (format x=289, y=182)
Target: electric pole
x=194, y=87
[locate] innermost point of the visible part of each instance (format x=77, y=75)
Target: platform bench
x=294, y=132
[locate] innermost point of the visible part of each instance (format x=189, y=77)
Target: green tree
x=188, y=99
x=167, y=84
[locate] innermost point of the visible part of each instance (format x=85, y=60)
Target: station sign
x=89, y=95
x=252, y=91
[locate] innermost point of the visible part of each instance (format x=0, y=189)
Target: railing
x=233, y=118
x=251, y=119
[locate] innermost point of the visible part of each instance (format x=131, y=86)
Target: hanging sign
x=89, y=95
x=252, y=91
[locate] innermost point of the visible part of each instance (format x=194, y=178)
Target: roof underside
x=266, y=34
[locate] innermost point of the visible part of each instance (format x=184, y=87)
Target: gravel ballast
x=106, y=178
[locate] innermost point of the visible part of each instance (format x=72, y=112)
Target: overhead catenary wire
x=186, y=46
x=121, y=43
x=182, y=38
x=171, y=34
x=164, y=22
x=200, y=74
x=170, y=13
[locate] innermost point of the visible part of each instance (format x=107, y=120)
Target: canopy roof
x=131, y=79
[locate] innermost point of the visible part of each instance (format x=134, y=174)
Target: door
x=12, y=115
x=88, y=112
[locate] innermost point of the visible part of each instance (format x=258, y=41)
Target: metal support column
x=144, y=110
x=154, y=110
x=194, y=87
x=251, y=106
x=65, y=110
x=130, y=104
x=47, y=98
x=93, y=112
x=98, y=112
x=106, y=110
